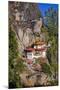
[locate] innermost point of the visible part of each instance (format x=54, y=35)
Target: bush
x=13, y=54
x=46, y=69
x=55, y=82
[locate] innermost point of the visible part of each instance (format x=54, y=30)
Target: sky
x=44, y=7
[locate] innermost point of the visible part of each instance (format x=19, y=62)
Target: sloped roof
x=37, y=49
x=40, y=49
x=29, y=49
x=39, y=43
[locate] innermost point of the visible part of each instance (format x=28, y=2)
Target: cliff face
x=25, y=22
x=21, y=16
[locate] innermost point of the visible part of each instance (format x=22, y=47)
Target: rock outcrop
x=21, y=16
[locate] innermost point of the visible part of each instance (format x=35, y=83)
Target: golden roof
x=39, y=42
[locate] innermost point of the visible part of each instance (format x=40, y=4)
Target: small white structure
x=39, y=50
x=29, y=55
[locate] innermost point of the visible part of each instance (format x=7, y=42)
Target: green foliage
x=14, y=80
x=54, y=69
x=13, y=46
x=17, y=80
x=52, y=51
x=20, y=67
x=55, y=82
x=52, y=20
x=54, y=65
x=46, y=69
x=44, y=30
x=52, y=25
x=15, y=66
x=13, y=54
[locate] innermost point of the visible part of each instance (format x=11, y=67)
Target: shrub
x=46, y=69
